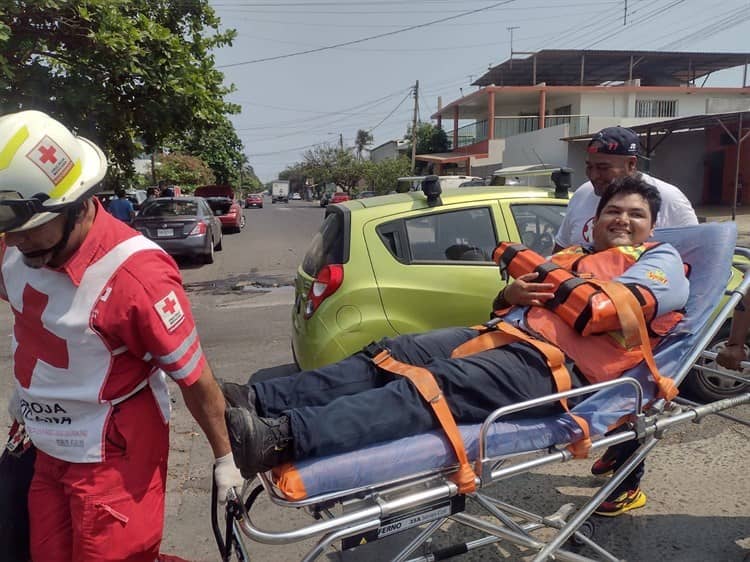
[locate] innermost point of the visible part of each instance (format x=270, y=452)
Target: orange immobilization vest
x=584, y=319
x=579, y=300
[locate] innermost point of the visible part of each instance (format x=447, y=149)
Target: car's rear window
x=327, y=246
x=169, y=208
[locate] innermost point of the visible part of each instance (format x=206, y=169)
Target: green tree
x=431, y=139
x=132, y=74
x=184, y=170
x=362, y=141
x=220, y=148
x=383, y=176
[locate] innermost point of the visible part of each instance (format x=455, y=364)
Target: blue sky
x=293, y=102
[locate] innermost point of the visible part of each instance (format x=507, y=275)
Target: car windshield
x=327, y=245
x=169, y=208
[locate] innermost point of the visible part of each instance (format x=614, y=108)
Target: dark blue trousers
x=353, y=403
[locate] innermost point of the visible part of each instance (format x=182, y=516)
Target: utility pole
x=511, y=42
x=414, y=128
x=625, y=15
x=341, y=142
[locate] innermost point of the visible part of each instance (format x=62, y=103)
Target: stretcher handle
x=220, y=543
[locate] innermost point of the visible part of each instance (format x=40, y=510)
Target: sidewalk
x=722, y=213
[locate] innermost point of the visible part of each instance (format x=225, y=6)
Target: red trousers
x=108, y=511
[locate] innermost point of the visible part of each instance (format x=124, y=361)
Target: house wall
x=542, y=145
x=718, y=142
x=385, y=151
x=679, y=160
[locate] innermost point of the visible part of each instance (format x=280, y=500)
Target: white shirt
x=576, y=227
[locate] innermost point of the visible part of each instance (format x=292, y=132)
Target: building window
x=656, y=108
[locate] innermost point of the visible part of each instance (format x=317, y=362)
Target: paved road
x=699, y=493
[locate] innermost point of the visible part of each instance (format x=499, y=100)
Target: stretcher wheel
x=588, y=530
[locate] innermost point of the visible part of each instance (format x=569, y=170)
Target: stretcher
x=384, y=489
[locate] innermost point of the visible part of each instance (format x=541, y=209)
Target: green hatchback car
x=400, y=264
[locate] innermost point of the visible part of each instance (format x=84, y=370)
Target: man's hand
x=227, y=475
x=524, y=292
x=730, y=356
x=14, y=407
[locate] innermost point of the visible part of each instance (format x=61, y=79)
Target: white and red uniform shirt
x=90, y=334
x=576, y=228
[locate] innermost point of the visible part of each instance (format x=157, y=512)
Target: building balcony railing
x=510, y=126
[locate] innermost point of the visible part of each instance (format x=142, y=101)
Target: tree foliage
x=221, y=149
x=382, y=177
x=362, y=141
x=131, y=74
x=431, y=139
x=184, y=170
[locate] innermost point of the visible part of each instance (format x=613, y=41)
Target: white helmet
x=44, y=169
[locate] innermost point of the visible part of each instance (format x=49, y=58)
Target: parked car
x=224, y=205
x=397, y=264
x=366, y=194
x=184, y=226
x=254, y=200
x=295, y=196
x=339, y=197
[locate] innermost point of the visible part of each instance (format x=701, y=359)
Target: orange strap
x=633, y=326
x=428, y=388
x=503, y=334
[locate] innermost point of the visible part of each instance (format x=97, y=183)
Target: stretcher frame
x=430, y=499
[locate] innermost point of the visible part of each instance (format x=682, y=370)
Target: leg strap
x=503, y=334
x=428, y=388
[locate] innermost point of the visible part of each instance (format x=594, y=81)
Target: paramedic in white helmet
x=100, y=321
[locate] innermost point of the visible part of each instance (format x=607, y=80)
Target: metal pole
x=414, y=128
x=625, y=14
x=511, y=42
x=737, y=167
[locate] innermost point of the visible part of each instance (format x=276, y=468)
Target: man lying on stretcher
x=376, y=395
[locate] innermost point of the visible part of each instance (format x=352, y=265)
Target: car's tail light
x=326, y=283
x=200, y=228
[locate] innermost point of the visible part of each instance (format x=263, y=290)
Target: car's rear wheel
x=219, y=247
x=708, y=387
x=208, y=257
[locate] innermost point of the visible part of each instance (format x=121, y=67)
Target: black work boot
x=238, y=395
x=258, y=444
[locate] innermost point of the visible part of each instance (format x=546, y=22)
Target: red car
x=339, y=197
x=254, y=200
x=224, y=206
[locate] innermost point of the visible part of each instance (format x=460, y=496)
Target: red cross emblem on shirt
x=34, y=341
x=169, y=306
x=48, y=154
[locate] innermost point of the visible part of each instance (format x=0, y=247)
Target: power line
x=646, y=17
x=727, y=20
x=384, y=119
x=362, y=40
